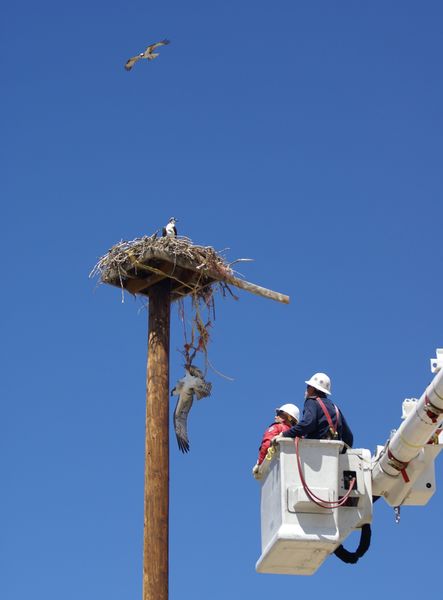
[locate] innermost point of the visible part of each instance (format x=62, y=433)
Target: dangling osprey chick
x=170, y=230
x=192, y=383
x=148, y=54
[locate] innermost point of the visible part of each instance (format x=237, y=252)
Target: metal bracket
x=409, y=404
x=437, y=363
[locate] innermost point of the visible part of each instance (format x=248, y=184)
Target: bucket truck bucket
x=297, y=535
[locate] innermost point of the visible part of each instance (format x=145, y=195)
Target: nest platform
x=139, y=264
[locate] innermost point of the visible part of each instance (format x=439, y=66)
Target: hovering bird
x=170, y=230
x=193, y=383
x=148, y=54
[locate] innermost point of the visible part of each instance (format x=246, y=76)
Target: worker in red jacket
x=285, y=417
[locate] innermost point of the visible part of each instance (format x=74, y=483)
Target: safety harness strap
x=333, y=429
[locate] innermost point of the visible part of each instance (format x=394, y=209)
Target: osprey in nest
x=193, y=383
x=148, y=54
x=170, y=230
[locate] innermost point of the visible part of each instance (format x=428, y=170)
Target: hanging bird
x=170, y=230
x=192, y=383
x=148, y=54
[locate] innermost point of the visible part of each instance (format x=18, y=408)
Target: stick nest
x=191, y=268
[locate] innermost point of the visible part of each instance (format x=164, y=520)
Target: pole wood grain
x=156, y=505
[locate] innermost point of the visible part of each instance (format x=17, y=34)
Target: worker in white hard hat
x=321, y=418
x=286, y=416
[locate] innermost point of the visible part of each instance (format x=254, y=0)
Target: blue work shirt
x=314, y=424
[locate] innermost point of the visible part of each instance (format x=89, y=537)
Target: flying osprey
x=170, y=230
x=192, y=383
x=148, y=54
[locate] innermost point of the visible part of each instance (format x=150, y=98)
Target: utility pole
x=156, y=505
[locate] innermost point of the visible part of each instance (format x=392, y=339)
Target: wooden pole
x=258, y=290
x=156, y=519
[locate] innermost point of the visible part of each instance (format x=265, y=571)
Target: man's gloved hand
x=256, y=471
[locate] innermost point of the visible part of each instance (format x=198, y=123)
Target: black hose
x=363, y=547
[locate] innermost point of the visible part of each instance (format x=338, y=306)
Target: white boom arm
x=407, y=453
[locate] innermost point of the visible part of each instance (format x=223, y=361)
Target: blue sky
x=305, y=135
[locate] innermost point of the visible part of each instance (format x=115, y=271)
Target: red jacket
x=271, y=432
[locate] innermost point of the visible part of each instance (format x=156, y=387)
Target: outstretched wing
x=152, y=47
x=131, y=62
x=181, y=412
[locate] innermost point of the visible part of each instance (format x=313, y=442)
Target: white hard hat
x=320, y=381
x=291, y=410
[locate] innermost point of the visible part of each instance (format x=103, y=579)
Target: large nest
x=138, y=264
